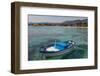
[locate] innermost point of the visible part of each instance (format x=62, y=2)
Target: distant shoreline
x=64, y=26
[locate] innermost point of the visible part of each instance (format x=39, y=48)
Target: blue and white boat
x=58, y=48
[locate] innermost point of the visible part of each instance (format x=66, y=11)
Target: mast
x=55, y=44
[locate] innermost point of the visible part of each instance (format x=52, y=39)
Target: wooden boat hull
x=50, y=54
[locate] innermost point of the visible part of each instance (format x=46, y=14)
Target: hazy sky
x=53, y=19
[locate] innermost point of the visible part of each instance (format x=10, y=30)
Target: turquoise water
x=41, y=34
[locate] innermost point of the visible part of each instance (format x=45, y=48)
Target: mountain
x=79, y=23
x=75, y=21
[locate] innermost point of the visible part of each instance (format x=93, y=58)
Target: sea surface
x=40, y=34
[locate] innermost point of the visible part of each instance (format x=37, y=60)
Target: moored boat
x=57, y=48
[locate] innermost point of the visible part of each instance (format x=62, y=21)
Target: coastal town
x=74, y=23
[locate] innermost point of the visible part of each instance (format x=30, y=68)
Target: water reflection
x=40, y=34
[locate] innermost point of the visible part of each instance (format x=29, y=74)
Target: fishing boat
x=57, y=48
